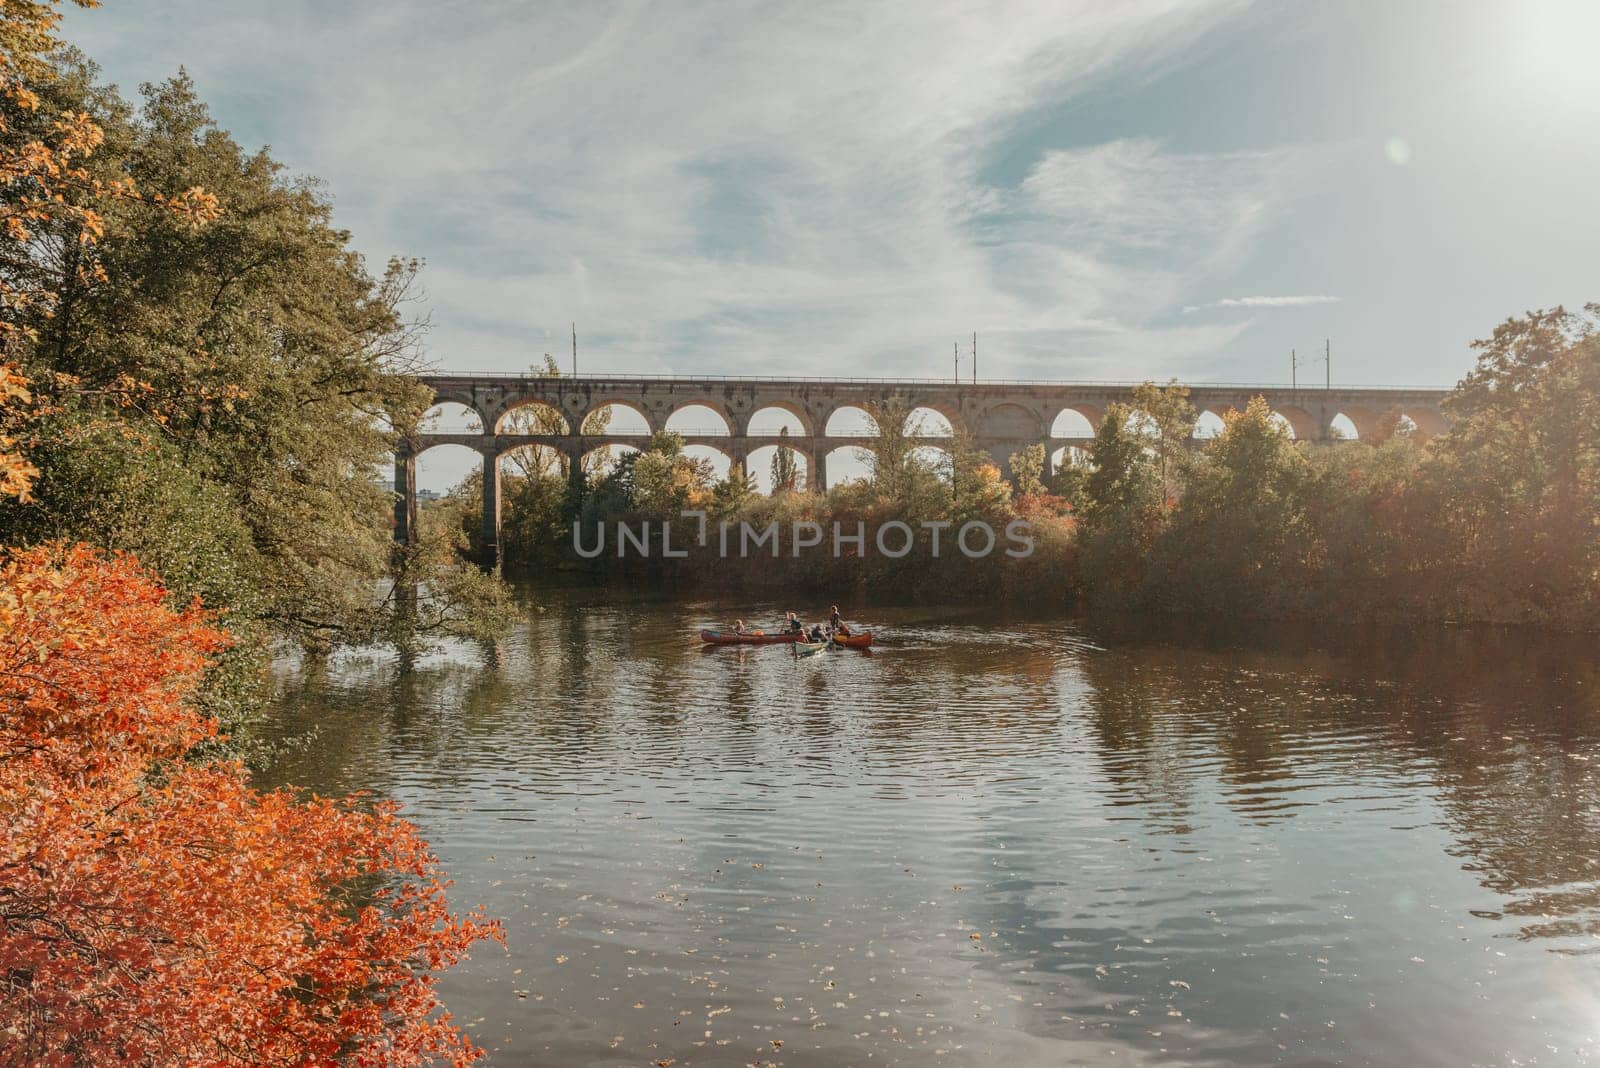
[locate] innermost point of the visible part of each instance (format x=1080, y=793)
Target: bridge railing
x=844, y=380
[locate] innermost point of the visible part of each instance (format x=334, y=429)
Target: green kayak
x=809, y=648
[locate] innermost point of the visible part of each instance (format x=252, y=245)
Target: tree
x=976, y=489
x=50, y=214
x=784, y=471
x=1517, y=477
x=1169, y=423
x=1122, y=510
x=733, y=492
x=237, y=330
x=157, y=910
x=1241, y=542
x=900, y=473
x=1027, y=471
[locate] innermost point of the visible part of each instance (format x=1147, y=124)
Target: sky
x=1123, y=190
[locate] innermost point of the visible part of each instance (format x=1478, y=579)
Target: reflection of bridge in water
x=1000, y=417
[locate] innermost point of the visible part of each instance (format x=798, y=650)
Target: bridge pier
x=405, y=500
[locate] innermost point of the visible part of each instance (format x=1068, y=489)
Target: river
x=994, y=840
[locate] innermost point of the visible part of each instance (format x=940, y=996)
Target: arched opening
x=1425, y=422
x=1342, y=428
x=443, y=468
x=1142, y=423
x=936, y=459
x=534, y=417
x=1072, y=423
x=448, y=417
x=533, y=461
x=1279, y=420
x=1301, y=426
x=924, y=422
x=776, y=418
x=721, y=463
x=763, y=467
x=1355, y=424
x=849, y=422
x=600, y=462
x=1208, y=426
x=1068, y=456
x=846, y=464
x=615, y=417
x=699, y=421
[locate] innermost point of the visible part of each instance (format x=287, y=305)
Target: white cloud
x=1265, y=302
x=702, y=189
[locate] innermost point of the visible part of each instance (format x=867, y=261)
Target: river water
x=995, y=839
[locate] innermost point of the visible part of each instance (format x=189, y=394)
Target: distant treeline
x=1497, y=520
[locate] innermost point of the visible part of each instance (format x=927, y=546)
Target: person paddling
x=794, y=625
x=836, y=621
x=738, y=626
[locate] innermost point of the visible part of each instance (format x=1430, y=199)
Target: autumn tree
x=785, y=474
x=1241, y=538
x=158, y=910
x=50, y=213
x=233, y=335
x=1517, y=478
x=1027, y=470
x=1121, y=507
x=1166, y=419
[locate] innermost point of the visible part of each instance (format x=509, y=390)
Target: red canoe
x=862, y=640
x=717, y=637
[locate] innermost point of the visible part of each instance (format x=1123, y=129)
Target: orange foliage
x=154, y=911
x=16, y=473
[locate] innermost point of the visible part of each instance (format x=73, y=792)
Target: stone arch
x=1364, y=421
x=936, y=452
x=1219, y=410
x=1064, y=456
x=1207, y=425
x=1088, y=413
x=445, y=416
x=698, y=424
x=1301, y=424
x=944, y=411
x=1281, y=421
x=620, y=402
x=599, y=460
x=930, y=428
x=1076, y=421
x=726, y=456
x=547, y=457
x=1428, y=421
x=531, y=406
x=759, y=464
x=841, y=464
x=858, y=424
x=802, y=419
x=442, y=463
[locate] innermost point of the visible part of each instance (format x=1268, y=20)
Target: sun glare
x=1558, y=43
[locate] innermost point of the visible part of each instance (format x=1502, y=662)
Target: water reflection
x=997, y=838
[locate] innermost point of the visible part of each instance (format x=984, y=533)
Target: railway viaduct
x=1001, y=417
